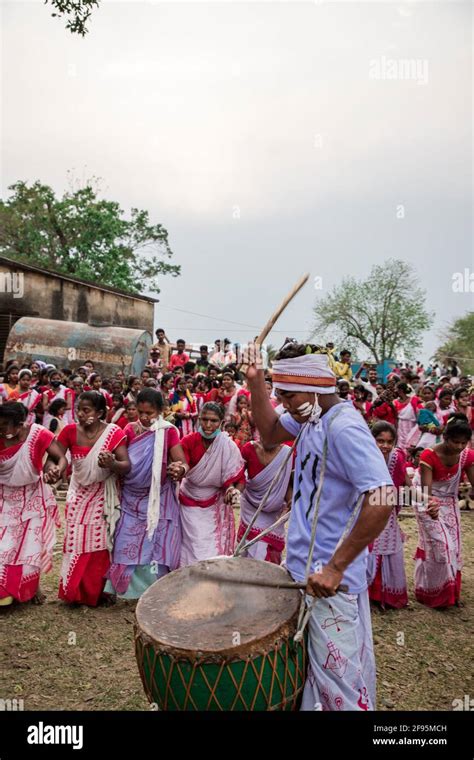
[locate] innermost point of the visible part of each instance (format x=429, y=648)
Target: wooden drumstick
x=255, y=582
x=281, y=308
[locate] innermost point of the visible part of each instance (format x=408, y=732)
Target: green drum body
x=206, y=642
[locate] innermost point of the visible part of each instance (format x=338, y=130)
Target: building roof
x=13, y=263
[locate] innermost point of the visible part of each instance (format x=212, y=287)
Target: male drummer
x=342, y=666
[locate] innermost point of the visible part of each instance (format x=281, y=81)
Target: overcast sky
x=266, y=137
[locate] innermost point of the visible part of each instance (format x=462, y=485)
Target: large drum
x=206, y=642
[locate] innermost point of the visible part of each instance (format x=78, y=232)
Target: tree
x=85, y=236
x=77, y=13
x=458, y=343
x=384, y=313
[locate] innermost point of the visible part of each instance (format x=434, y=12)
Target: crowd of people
x=156, y=465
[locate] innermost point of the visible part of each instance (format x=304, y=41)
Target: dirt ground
x=60, y=658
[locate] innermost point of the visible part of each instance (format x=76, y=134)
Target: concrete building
x=29, y=291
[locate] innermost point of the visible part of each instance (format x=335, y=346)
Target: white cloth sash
x=153, y=513
x=86, y=471
x=221, y=461
x=18, y=470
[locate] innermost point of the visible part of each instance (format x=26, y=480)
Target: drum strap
x=242, y=546
x=305, y=611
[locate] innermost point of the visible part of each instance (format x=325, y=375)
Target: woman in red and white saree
x=438, y=556
x=55, y=391
x=262, y=466
x=29, y=397
x=210, y=489
x=28, y=510
x=99, y=455
x=386, y=576
x=407, y=408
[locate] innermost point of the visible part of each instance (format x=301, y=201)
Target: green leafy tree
x=458, y=344
x=76, y=12
x=383, y=314
x=83, y=235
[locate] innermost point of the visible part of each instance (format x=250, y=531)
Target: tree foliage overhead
x=385, y=314
x=458, y=344
x=85, y=236
x=76, y=12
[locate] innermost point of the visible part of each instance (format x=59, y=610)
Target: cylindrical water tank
x=70, y=344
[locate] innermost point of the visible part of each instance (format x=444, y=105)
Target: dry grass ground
x=58, y=658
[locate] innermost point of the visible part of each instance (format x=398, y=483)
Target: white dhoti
x=341, y=669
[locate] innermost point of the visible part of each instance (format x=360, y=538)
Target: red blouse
x=249, y=454
x=68, y=438
x=384, y=412
x=42, y=443
x=429, y=458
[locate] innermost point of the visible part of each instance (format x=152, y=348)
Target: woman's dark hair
x=151, y=396
x=96, y=399
x=363, y=391
x=403, y=387
x=130, y=381
x=56, y=406
x=166, y=378
x=430, y=388
x=383, y=427
x=53, y=371
x=13, y=412
x=211, y=406
x=147, y=370
x=458, y=391
x=238, y=377
x=8, y=371
x=189, y=367
x=445, y=392
x=457, y=426
x=117, y=397
x=228, y=372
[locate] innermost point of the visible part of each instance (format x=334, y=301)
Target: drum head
x=190, y=612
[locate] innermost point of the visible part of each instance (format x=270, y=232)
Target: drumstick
x=281, y=309
x=256, y=581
